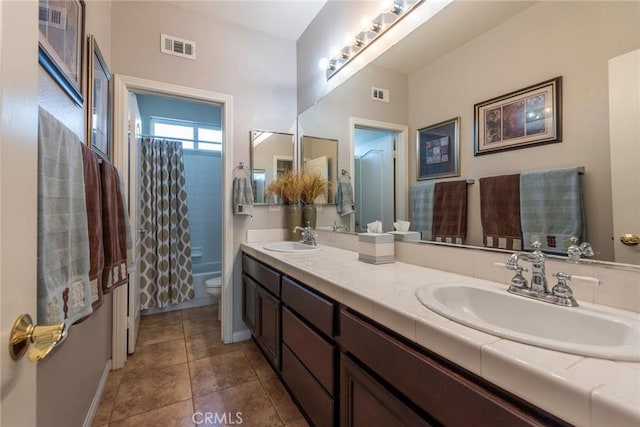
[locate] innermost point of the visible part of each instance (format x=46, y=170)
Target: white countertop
x=581, y=390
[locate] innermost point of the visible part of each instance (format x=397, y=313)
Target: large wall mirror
x=272, y=153
x=471, y=52
x=320, y=156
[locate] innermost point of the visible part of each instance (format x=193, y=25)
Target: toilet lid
x=214, y=282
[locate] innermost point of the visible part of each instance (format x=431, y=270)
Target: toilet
x=213, y=286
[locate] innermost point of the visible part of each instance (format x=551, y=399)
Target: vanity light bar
x=385, y=20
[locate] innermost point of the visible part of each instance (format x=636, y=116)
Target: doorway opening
x=211, y=139
x=378, y=154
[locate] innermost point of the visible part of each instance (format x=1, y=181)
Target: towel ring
x=241, y=171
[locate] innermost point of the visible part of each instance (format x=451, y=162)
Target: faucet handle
x=561, y=289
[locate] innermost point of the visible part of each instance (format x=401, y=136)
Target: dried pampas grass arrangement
x=313, y=186
x=288, y=186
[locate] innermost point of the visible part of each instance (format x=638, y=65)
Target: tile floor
x=180, y=368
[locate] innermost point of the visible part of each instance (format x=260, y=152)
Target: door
x=374, y=182
x=320, y=166
x=18, y=207
x=624, y=128
x=133, y=291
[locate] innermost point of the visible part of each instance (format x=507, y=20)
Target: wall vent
x=178, y=47
x=378, y=94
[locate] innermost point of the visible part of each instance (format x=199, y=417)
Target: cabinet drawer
x=312, y=307
x=315, y=401
x=365, y=402
x=435, y=388
x=266, y=277
x=312, y=350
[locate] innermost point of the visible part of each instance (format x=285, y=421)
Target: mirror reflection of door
x=374, y=180
x=320, y=155
x=319, y=166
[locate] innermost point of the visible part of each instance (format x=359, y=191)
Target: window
x=194, y=135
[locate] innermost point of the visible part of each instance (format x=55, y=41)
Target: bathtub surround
x=165, y=250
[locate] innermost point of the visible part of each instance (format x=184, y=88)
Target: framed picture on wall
x=61, y=25
x=438, y=148
x=519, y=119
x=98, y=101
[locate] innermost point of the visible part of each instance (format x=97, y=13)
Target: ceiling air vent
x=178, y=47
x=378, y=94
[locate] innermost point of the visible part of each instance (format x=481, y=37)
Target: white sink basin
x=584, y=330
x=291, y=247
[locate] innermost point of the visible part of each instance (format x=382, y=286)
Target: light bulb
x=323, y=63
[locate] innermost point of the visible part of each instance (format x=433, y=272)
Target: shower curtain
x=165, y=249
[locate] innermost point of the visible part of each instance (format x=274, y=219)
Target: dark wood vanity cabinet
x=438, y=392
x=308, y=351
x=344, y=369
x=261, y=306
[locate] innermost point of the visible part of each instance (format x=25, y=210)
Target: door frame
x=401, y=169
x=122, y=86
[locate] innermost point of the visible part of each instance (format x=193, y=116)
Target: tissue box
x=376, y=248
x=406, y=236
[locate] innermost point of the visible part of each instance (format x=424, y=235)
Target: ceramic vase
x=293, y=218
x=309, y=214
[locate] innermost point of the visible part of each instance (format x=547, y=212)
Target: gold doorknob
x=630, y=239
x=36, y=341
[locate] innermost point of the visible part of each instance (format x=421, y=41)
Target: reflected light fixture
x=394, y=11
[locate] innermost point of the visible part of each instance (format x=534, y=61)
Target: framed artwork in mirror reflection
x=519, y=119
x=438, y=148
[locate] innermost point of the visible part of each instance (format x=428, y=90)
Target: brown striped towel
x=500, y=212
x=450, y=211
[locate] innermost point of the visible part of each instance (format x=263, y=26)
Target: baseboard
x=242, y=335
x=93, y=409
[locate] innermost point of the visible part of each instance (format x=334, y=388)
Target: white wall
x=258, y=70
x=550, y=39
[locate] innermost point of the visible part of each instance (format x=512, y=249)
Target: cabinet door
x=365, y=402
x=269, y=327
x=249, y=303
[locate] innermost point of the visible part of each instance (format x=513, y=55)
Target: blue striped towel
x=551, y=208
x=344, y=198
x=422, y=209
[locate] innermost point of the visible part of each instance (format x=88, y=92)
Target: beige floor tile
x=166, y=329
x=177, y=415
x=298, y=423
x=287, y=410
x=202, y=324
x=158, y=355
x=103, y=413
x=249, y=401
x=207, y=345
x=258, y=362
x=219, y=372
x=206, y=311
x=143, y=390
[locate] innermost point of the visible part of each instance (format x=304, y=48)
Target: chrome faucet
x=338, y=227
x=575, y=251
x=307, y=235
x=560, y=294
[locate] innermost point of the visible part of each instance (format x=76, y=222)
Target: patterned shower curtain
x=165, y=242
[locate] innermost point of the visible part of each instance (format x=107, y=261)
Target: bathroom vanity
x=354, y=347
